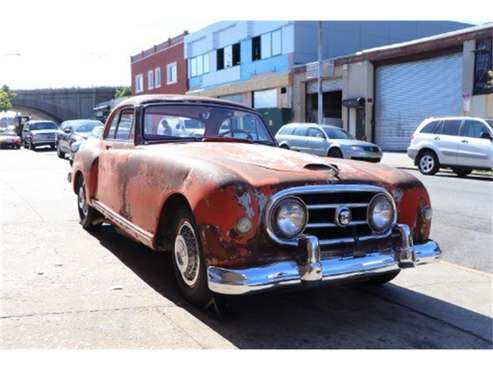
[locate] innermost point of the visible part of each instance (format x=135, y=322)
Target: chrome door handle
x=436, y=138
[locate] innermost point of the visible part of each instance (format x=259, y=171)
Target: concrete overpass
x=61, y=104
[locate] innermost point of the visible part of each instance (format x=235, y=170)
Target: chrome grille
x=322, y=202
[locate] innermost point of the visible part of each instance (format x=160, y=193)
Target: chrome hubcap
x=187, y=254
x=82, y=200
x=426, y=163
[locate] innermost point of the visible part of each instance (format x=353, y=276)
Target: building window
x=157, y=77
x=171, y=73
x=139, y=83
x=150, y=79
x=256, y=48
x=265, y=99
x=199, y=65
x=228, y=57
x=482, y=65
x=276, y=42
x=267, y=45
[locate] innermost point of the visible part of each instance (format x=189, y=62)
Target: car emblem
x=343, y=216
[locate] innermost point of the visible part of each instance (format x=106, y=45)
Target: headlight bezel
x=273, y=225
x=369, y=214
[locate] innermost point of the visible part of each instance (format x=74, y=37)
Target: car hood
x=265, y=165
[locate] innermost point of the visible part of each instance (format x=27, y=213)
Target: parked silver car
x=326, y=140
x=460, y=143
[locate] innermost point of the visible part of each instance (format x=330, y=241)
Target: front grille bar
x=330, y=224
x=328, y=206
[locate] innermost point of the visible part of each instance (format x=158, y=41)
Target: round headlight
x=381, y=213
x=290, y=217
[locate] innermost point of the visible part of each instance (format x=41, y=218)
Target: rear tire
x=88, y=215
x=188, y=260
x=284, y=146
x=428, y=163
x=462, y=173
x=335, y=153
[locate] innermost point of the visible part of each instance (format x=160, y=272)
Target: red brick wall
x=161, y=59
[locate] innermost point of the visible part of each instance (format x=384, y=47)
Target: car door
x=297, y=140
x=315, y=142
x=446, y=141
x=113, y=162
x=474, y=151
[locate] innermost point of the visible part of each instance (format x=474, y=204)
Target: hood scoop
x=322, y=167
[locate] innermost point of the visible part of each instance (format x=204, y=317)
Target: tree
x=6, y=97
x=123, y=91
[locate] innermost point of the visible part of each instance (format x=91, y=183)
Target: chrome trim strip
x=314, y=189
x=330, y=224
x=126, y=225
x=328, y=206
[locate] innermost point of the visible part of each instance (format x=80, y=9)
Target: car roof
x=40, y=120
x=447, y=118
x=81, y=120
x=310, y=124
x=167, y=98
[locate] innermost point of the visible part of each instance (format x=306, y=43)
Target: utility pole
x=320, y=113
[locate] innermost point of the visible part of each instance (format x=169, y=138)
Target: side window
x=450, y=127
x=430, y=128
x=472, y=128
x=114, y=123
x=125, y=126
x=314, y=132
x=300, y=131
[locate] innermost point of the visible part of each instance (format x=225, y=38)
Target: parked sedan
x=460, y=143
x=9, y=139
x=326, y=140
x=39, y=133
x=74, y=131
x=238, y=214
x=96, y=133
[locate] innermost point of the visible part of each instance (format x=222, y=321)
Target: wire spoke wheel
x=187, y=254
x=82, y=200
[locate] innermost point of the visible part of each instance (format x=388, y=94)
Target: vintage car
x=238, y=214
x=9, y=139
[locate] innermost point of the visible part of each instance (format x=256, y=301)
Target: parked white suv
x=460, y=143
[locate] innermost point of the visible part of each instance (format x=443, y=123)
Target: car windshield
x=185, y=122
x=338, y=133
x=86, y=127
x=43, y=126
x=97, y=131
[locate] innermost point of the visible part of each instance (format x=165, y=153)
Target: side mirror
x=486, y=135
x=67, y=130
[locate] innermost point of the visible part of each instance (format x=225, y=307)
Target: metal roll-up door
x=407, y=93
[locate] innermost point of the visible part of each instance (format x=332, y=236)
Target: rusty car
x=204, y=179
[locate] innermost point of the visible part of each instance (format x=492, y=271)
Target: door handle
x=436, y=138
x=464, y=141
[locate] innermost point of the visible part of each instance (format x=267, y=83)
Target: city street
x=62, y=287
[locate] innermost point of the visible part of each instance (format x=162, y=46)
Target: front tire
x=335, y=153
x=383, y=278
x=428, y=163
x=188, y=260
x=59, y=152
x=88, y=216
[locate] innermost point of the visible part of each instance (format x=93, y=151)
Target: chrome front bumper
x=315, y=269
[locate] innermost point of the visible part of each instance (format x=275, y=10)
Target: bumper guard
x=315, y=269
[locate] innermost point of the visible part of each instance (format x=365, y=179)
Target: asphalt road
x=61, y=287
x=462, y=213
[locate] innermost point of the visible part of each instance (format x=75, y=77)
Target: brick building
x=161, y=69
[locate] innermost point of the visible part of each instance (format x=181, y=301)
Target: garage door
x=407, y=93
